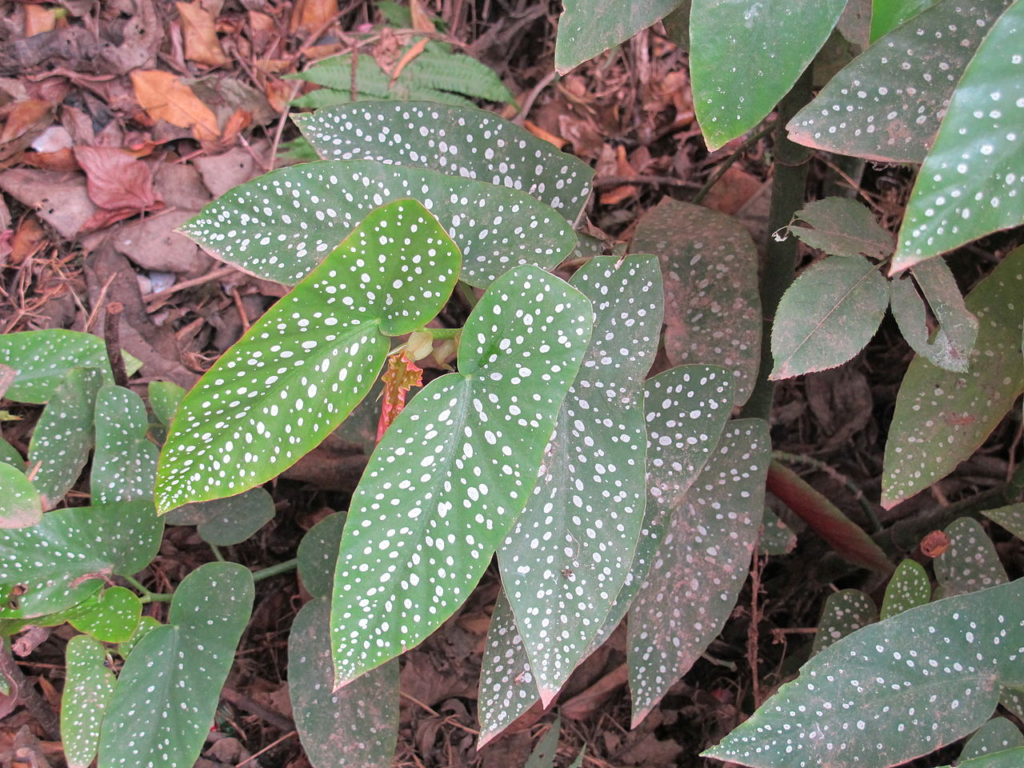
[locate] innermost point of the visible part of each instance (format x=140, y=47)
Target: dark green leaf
x=165, y=397
x=1010, y=517
x=87, y=691
x=544, y=753
x=9, y=455
x=842, y=227
x=886, y=15
x=455, y=469
x=124, y=465
x=42, y=359
x=844, y=612
x=589, y=27
x=970, y=561
x=280, y=226
x=224, y=522
x=777, y=538
x=827, y=315
x=146, y=625
x=110, y=616
x=165, y=698
x=318, y=554
x=20, y=505
x=996, y=735
x=507, y=686
x=1010, y=758
x=908, y=588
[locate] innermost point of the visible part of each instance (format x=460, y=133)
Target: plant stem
x=839, y=477
x=217, y=553
x=779, y=268
x=275, y=570
x=147, y=595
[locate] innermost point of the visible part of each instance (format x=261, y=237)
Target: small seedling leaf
x=710, y=266
x=842, y=227
x=844, y=612
x=957, y=411
x=976, y=152
x=1010, y=517
x=996, y=735
x=827, y=315
x=42, y=359
x=507, y=685
x=110, y=616
x=314, y=354
x=458, y=141
x=318, y=554
x=455, y=470
x=590, y=27
x=700, y=567
x=280, y=226
x=225, y=522
x=162, y=707
x=87, y=691
x=20, y=505
x=544, y=753
x=888, y=103
x=354, y=727
x=165, y=397
x=958, y=328
x=61, y=561
x=908, y=588
x=970, y=562
x=875, y=691
x=745, y=56
x=64, y=436
x=569, y=552
x=124, y=464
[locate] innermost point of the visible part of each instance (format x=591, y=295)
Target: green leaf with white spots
x=62, y=561
x=746, y=55
x=20, y=505
x=455, y=469
x=42, y=359
x=697, y=573
x=546, y=750
x=64, y=436
x=9, y=455
x=996, y=735
x=458, y=141
x=354, y=727
x=569, y=552
x=886, y=15
x=908, y=588
x=710, y=267
x=842, y=227
x=280, y=226
x=887, y=104
x=587, y=28
x=777, y=538
x=165, y=397
x=957, y=411
x=958, y=328
x=1010, y=517
x=302, y=368
x=146, y=625
x=844, y=612
x=110, y=616
x=87, y=691
x=827, y=315
x=318, y=554
x=971, y=182
x=1009, y=758
x=970, y=561
x=168, y=690
x=124, y=464
x=507, y=686
x=893, y=690
x=225, y=522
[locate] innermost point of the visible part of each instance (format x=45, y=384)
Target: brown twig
x=112, y=340
x=242, y=701
x=267, y=748
x=663, y=181
x=216, y=274
x=753, y=629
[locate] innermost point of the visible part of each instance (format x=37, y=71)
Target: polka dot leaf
x=827, y=315
x=462, y=142
x=710, y=266
x=507, y=686
x=280, y=226
x=64, y=435
x=891, y=691
x=318, y=554
x=124, y=464
x=352, y=727
x=590, y=27
x=455, y=469
x=225, y=522
x=62, y=561
x=996, y=735
x=88, y=688
x=301, y=369
x=167, y=693
x=941, y=416
x=908, y=588
x=42, y=359
x=165, y=397
x=10, y=456
x=20, y=505
x=110, y=616
x=1007, y=758
x=887, y=104
x=1010, y=517
x=700, y=566
x=776, y=538
x=970, y=183
x=546, y=749
x=745, y=56
x=844, y=612
x=970, y=562
x=568, y=554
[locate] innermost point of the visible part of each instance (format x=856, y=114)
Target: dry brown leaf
x=312, y=15
x=165, y=97
x=414, y=50
x=116, y=180
x=28, y=240
x=540, y=133
x=24, y=117
x=201, y=43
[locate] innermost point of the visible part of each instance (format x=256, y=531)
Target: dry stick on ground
x=753, y=630
x=242, y=701
x=112, y=340
x=28, y=695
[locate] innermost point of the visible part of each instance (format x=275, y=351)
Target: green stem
x=146, y=594
x=441, y=333
x=217, y=553
x=274, y=570
x=788, y=187
x=467, y=293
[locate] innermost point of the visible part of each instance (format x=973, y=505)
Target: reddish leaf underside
x=401, y=375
